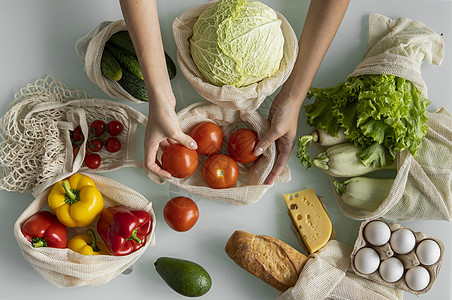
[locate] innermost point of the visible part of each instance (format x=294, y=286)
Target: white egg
x=391, y=269
x=417, y=278
x=428, y=252
x=402, y=241
x=377, y=233
x=366, y=260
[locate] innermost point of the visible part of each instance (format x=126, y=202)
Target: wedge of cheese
x=309, y=218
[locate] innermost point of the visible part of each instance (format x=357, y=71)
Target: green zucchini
x=364, y=193
x=110, y=67
x=133, y=85
x=126, y=60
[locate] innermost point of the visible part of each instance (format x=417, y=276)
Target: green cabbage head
x=237, y=42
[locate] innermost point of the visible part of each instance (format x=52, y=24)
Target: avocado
x=183, y=276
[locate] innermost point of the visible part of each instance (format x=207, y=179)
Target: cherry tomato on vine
x=179, y=160
x=75, y=150
x=208, y=136
x=114, y=127
x=241, y=145
x=92, y=160
x=181, y=213
x=98, y=127
x=220, y=171
x=95, y=145
x=112, y=144
x=77, y=135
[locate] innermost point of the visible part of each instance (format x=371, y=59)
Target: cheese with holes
x=310, y=219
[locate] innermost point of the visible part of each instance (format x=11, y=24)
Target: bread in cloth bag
x=249, y=187
x=66, y=268
x=244, y=98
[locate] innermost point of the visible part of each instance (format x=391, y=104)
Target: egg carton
x=409, y=260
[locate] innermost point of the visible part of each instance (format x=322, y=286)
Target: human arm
x=320, y=27
x=142, y=22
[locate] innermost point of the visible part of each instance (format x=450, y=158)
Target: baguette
x=268, y=258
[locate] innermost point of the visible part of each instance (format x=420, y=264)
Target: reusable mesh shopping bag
x=35, y=143
x=66, y=268
x=244, y=98
x=328, y=275
x=90, y=48
x=249, y=187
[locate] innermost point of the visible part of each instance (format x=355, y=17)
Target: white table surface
x=38, y=38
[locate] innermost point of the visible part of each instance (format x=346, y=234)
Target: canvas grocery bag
x=249, y=187
x=35, y=143
x=66, y=268
x=422, y=189
x=328, y=275
x=399, y=47
x=90, y=48
x=244, y=98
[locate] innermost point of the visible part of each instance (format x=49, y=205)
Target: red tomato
x=179, y=160
x=112, y=144
x=93, y=160
x=95, y=145
x=220, y=171
x=208, y=136
x=181, y=213
x=98, y=127
x=77, y=135
x=241, y=145
x=114, y=127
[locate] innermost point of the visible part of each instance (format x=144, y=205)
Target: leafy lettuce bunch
x=381, y=114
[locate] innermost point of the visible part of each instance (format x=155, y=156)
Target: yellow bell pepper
x=87, y=244
x=76, y=201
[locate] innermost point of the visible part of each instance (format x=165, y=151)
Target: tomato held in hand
x=220, y=171
x=98, y=127
x=241, y=145
x=181, y=213
x=93, y=160
x=179, y=160
x=114, y=127
x=208, y=136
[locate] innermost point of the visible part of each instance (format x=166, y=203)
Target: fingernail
x=193, y=145
x=258, y=151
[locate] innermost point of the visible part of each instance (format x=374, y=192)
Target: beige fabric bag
x=328, y=275
x=399, y=47
x=66, y=268
x=422, y=189
x=35, y=145
x=249, y=187
x=244, y=98
x=90, y=48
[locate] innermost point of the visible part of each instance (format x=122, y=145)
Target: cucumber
x=126, y=60
x=133, y=85
x=123, y=41
x=110, y=67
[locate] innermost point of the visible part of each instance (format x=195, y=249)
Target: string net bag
x=35, y=142
x=244, y=98
x=249, y=187
x=328, y=275
x=66, y=268
x=90, y=48
x=422, y=187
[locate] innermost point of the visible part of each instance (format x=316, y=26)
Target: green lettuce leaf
x=383, y=114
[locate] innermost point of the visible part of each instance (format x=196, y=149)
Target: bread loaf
x=268, y=258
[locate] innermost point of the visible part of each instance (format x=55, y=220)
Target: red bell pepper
x=44, y=230
x=124, y=229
